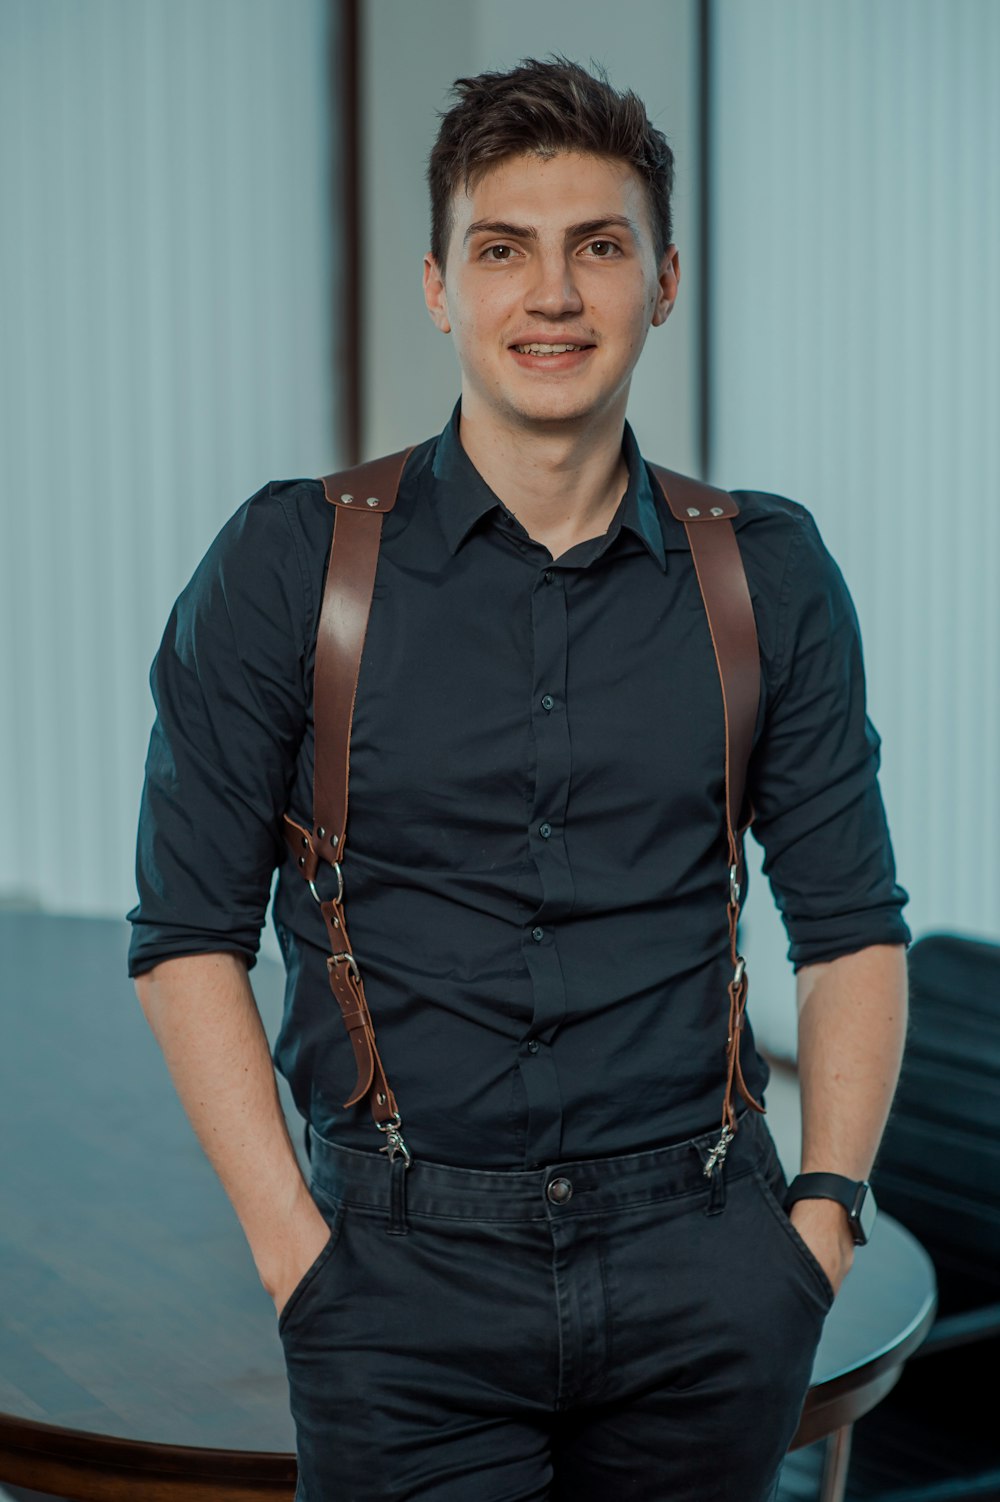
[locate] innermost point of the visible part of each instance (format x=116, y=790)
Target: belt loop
x=397, y=1197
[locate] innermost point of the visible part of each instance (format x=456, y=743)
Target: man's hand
x=203, y=1013
x=822, y=1224
x=308, y=1234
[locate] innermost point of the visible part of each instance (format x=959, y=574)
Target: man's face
x=550, y=252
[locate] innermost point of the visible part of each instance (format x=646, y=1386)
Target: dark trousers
x=619, y=1328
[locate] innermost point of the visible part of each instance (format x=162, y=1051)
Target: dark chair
x=936, y=1438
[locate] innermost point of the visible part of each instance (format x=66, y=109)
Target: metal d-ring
x=340, y=887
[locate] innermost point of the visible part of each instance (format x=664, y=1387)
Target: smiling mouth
x=549, y=349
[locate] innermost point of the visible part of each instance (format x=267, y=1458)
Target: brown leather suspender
x=361, y=497
x=707, y=516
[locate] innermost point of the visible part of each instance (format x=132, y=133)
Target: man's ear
x=666, y=286
x=435, y=295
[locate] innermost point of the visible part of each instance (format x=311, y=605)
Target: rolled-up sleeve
x=819, y=813
x=230, y=701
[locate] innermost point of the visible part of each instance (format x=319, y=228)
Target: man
x=560, y=1296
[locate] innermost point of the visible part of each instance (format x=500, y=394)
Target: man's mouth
x=549, y=349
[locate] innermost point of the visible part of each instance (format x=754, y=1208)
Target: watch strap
x=851, y=1193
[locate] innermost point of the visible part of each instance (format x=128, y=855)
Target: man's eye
x=602, y=248
x=499, y=252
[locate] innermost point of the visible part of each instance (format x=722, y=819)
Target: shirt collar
x=462, y=496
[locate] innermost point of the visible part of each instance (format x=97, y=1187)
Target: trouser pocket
x=308, y=1289
x=773, y=1186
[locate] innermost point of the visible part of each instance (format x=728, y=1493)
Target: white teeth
x=546, y=349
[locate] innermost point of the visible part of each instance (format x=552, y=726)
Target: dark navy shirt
x=535, y=870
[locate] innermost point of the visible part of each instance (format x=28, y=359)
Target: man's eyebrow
x=609, y=221
x=528, y=232
x=499, y=227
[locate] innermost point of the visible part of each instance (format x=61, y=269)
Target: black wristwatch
x=854, y=1194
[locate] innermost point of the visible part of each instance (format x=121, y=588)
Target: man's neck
x=563, y=484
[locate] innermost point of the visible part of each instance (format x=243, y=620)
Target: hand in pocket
x=307, y=1238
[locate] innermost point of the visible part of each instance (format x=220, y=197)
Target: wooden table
x=139, y=1354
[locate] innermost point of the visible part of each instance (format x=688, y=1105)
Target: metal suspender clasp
x=734, y=887
x=719, y=1151
x=395, y=1147
x=345, y=959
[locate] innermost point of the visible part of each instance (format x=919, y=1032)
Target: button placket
x=546, y=845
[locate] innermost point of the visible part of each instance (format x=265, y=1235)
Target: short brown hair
x=545, y=107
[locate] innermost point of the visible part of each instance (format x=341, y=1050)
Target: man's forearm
x=852, y=1027
x=204, y=1016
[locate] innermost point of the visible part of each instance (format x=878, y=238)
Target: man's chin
x=556, y=409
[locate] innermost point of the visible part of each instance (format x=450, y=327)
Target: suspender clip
x=719, y=1151
x=394, y=1147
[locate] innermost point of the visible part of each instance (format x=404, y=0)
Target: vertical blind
x=166, y=307
x=856, y=360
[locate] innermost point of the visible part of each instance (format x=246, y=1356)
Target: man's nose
x=553, y=290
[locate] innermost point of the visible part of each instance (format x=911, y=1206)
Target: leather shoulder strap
x=361, y=497
x=707, y=517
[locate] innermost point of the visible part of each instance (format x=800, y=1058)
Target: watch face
x=865, y=1212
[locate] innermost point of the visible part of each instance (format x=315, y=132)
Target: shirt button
x=545, y=830
x=547, y=701
x=547, y=576
x=538, y=934
x=559, y=1191
x=532, y=1046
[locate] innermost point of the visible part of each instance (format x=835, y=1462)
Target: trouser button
x=559, y=1191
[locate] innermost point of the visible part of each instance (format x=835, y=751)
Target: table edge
x=32, y=1437
x=843, y=1399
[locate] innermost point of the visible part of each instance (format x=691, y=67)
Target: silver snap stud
x=693, y=511
x=717, y=511
x=559, y=1191
x=321, y=832
x=347, y=498
x=372, y=500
